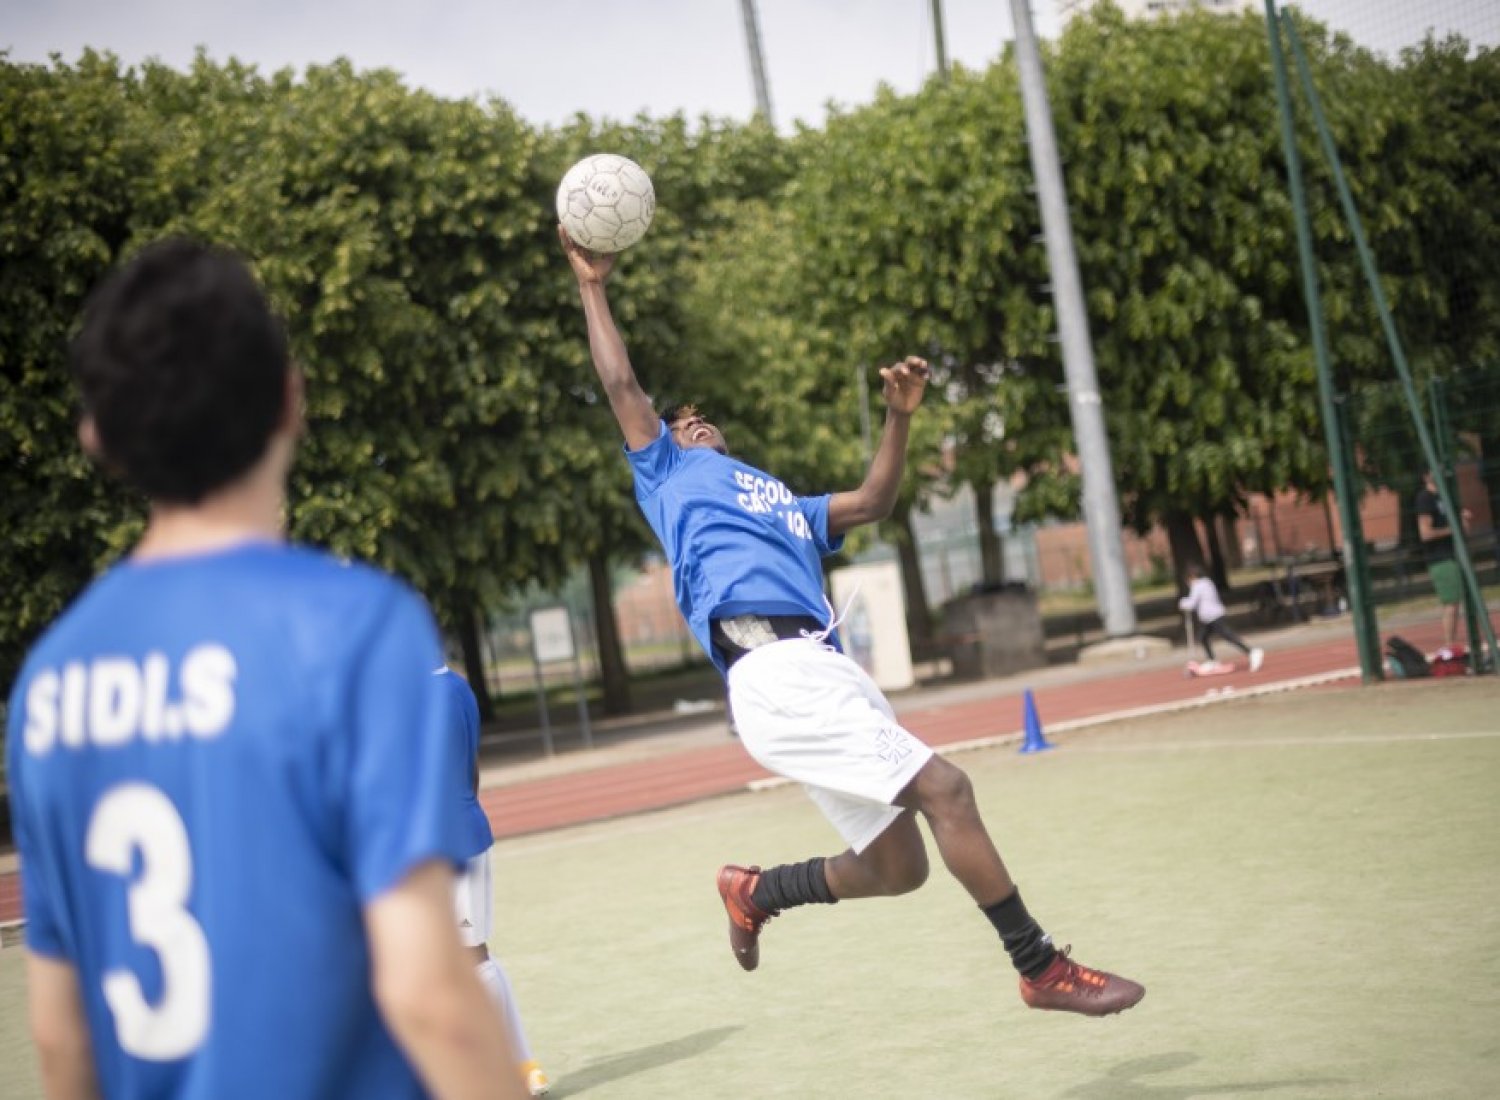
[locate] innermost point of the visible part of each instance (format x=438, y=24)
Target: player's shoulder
x=335, y=596
x=451, y=681
x=457, y=688
x=333, y=576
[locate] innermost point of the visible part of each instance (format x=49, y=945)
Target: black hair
x=182, y=366
x=678, y=410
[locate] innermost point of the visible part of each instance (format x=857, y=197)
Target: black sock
x=1030, y=948
x=792, y=884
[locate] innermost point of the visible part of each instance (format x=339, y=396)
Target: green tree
x=71, y=148
x=1187, y=255
x=916, y=230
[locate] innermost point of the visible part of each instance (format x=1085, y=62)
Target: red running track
x=688, y=775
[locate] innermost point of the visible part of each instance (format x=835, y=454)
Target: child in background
x=1203, y=600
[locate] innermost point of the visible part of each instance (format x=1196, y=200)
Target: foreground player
x=474, y=892
x=745, y=561
x=227, y=760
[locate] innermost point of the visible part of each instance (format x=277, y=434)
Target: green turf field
x=1308, y=885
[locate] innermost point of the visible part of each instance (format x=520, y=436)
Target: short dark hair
x=678, y=410
x=182, y=365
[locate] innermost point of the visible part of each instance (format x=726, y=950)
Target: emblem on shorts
x=892, y=745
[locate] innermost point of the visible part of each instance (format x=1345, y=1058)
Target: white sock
x=498, y=987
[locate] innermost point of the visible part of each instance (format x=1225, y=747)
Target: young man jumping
x=745, y=553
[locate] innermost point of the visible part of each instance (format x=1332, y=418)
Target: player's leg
x=894, y=863
x=473, y=899
x=810, y=714
x=944, y=795
x=890, y=859
x=497, y=984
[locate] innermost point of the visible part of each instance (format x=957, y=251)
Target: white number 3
x=130, y=817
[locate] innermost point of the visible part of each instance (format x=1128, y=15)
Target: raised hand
x=904, y=383
x=590, y=267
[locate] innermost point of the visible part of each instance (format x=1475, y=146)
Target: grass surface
x=1308, y=885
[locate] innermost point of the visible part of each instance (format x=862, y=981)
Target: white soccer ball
x=605, y=202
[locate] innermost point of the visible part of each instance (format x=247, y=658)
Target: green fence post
x=1388, y=324
x=1366, y=637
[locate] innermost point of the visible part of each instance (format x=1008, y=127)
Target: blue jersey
x=214, y=763
x=738, y=541
x=463, y=718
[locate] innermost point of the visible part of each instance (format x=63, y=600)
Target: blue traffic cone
x=1036, y=740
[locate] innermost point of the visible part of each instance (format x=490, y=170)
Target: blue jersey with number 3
x=738, y=541
x=214, y=763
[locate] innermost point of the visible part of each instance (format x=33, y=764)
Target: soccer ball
x=605, y=202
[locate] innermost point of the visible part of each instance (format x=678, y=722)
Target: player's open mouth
x=702, y=434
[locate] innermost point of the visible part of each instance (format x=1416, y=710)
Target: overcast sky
x=613, y=58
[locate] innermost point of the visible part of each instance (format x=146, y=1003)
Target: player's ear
x=88, y=437
x=294, y=402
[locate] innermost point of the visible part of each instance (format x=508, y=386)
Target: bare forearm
x=611, y=360
x=68, y=1075
x=458, y=1045
x=883, y=480
x=876, y=495
x=628, y=401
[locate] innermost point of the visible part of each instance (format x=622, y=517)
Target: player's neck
x=250, y=510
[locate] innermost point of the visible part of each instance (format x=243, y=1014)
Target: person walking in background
x=227, y=760
x=1203, y=600
x=745, y=555
x=474, y=893
x=1436, y=532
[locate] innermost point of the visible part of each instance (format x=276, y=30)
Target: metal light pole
x=1101, y=508
x=937, y=33
x=757, y=61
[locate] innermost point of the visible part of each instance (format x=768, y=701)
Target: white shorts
x=809, y=713
x=473, y=902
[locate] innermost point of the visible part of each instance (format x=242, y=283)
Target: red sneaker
x=1067, y=986
x=736, y=884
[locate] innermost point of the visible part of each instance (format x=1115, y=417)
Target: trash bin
x=1000, y=629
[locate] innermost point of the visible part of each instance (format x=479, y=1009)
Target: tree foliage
x=70, y=148
x=457, y=432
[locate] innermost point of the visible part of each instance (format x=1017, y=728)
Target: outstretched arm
x=876, y=496
x=632, y=408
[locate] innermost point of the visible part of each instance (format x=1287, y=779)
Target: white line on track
x=1292, y=742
